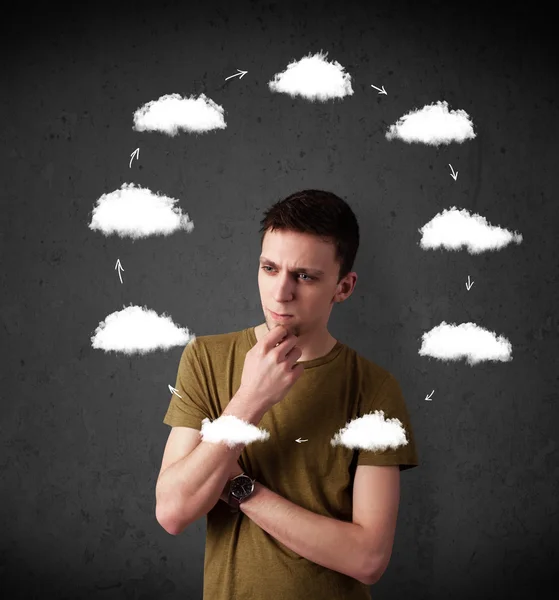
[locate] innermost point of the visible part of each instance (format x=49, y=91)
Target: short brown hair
x=319, y=213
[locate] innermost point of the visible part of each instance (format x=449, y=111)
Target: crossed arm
x=360, y=549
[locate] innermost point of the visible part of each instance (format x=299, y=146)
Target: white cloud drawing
x=232, y=431
x=171, y=113
x=433, y=124
x=371, y=432
x=454, y=229
x=313, y=78
x=467, y=340
x=137, y=212
x=137, y=330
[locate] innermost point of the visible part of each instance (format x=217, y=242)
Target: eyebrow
x=297, y=270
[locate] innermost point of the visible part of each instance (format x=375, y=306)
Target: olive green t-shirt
x=242, y=561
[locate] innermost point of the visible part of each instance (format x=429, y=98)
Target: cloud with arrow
x=454, y=229
x=137, y=330
x=452, y=342
x=232, y=430
x=136, y=212
x=434, y=124
x=371, y=432
x=171, y=113
x=313, y=78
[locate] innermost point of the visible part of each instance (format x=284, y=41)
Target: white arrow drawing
x=119, y=267
x=137, y=153
x=174, y=391
x=381, y=91
x=469, y=285
x=452, y=174
x=428, y=397
x=241, y=73
x=299, y=440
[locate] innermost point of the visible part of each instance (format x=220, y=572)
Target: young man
x=304, y=518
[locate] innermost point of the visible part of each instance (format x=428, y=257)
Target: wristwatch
x=240, y=488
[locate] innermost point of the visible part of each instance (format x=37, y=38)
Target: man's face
x=287, y=288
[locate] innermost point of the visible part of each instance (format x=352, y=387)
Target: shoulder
x=370, y=374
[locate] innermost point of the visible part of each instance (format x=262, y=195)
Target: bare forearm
x=334, y=544
x=190, y=488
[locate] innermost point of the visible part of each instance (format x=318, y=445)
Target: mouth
x=279, y=316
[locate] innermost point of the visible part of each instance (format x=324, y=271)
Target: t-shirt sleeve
x=390, y=400
x=192, y=406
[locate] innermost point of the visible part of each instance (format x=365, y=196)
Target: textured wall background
x=82, y=432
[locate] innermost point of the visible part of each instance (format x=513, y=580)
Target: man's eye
x=309, y=278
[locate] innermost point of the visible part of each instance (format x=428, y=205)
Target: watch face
x=241, y=487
